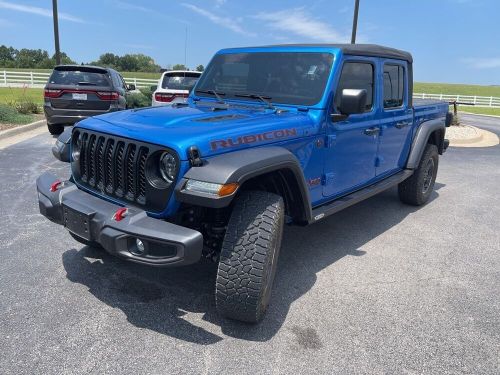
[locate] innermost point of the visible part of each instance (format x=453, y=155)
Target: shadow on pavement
x=158, y=299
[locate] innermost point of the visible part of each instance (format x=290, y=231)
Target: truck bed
x=428, y=109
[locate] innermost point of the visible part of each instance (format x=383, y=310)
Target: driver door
x=352, y=142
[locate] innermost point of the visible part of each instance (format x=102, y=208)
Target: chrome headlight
x=168, y=167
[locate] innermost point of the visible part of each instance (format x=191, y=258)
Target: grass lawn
x=456, y=89
x=10, y=94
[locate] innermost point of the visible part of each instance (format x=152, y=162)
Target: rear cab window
x=179, y=81
x=75, y=76
x=394, y=85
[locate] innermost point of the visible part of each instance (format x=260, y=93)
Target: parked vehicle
x=174, y=86
x=75, y=92
x=269, y=136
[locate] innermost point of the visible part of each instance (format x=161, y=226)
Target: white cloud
x=301, y=23
x=219, y=3
x=128, y=6
x=483, y=63
x=229, y=23
x=38, y=11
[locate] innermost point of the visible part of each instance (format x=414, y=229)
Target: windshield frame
x=319, y=104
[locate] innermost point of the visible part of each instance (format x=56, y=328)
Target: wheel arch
x=273, y=169
x=431, y=131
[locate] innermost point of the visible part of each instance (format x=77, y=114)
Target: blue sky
x=451, y=40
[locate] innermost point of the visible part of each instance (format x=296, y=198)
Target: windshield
x=79, y=77
x=297, y=78
x=179, y=81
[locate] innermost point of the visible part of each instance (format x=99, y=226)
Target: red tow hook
x=120, y=214
x=55, y=185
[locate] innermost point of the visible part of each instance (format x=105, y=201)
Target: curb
x=21, y=129
x=478, y=114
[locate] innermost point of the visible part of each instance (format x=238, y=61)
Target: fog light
x=139, y=248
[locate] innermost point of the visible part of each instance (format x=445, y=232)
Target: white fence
x=39, y=79
x=478, y=101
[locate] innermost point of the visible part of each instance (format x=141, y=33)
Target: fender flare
x=420, y=139
x=61, y=148
x=239, y=167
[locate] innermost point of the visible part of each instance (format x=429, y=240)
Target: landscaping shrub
x=9, y=115
x=26, y=106
x=139, y=99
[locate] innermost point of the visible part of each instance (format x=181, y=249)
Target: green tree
x=179, y=67
x=8, y=56
x=31, y=58
x=200, y=68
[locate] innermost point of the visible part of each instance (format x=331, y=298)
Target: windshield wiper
x=86, y=84
x=262, y=98
x=214, y=93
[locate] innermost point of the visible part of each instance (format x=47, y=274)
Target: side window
x=116, y=81
x=356, y=75
x=122, y=82
x=394, y=84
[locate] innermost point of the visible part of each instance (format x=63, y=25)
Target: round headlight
x=77, y=146
x=168, y=166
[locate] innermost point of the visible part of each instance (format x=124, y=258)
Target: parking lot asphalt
x=378, y=288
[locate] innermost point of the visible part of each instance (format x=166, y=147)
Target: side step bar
x=339, y=204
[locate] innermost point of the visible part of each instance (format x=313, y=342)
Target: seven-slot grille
x=112, y=166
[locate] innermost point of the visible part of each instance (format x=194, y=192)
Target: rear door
x=352, y=143
x=79, y=88
x=395, y=119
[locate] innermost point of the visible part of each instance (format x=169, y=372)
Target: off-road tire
x=417, y=189
x=55, y=129
x=249, y=256
x=83, y=241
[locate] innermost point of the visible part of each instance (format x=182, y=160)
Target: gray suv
x=75, y=92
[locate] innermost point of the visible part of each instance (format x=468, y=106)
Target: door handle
x=372, y=131
x=402, y=124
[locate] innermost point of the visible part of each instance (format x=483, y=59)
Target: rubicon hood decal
x=252, y=138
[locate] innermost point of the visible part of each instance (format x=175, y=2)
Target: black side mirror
x=130, y=87
x=353, y=101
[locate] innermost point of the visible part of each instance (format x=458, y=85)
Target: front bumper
x=92, y=219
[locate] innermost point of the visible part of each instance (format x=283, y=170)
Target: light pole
x=355, y=22
x=56, y=31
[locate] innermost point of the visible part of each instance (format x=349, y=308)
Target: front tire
x=249, y=256
x=55, y=129
x=417, y=189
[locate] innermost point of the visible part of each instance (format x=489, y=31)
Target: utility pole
x=56, y=31
x=355, y=22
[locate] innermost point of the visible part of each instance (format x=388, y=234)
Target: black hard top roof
x=360, y=50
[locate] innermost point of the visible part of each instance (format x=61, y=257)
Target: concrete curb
x=21, y=129
x=478, y=114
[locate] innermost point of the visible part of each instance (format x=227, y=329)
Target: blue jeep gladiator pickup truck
x=269, y=136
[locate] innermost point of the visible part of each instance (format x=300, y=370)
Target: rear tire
x=55, y=129
x=249, y=256
x=417, y=189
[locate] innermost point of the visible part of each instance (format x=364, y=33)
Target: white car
x=174, y=87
